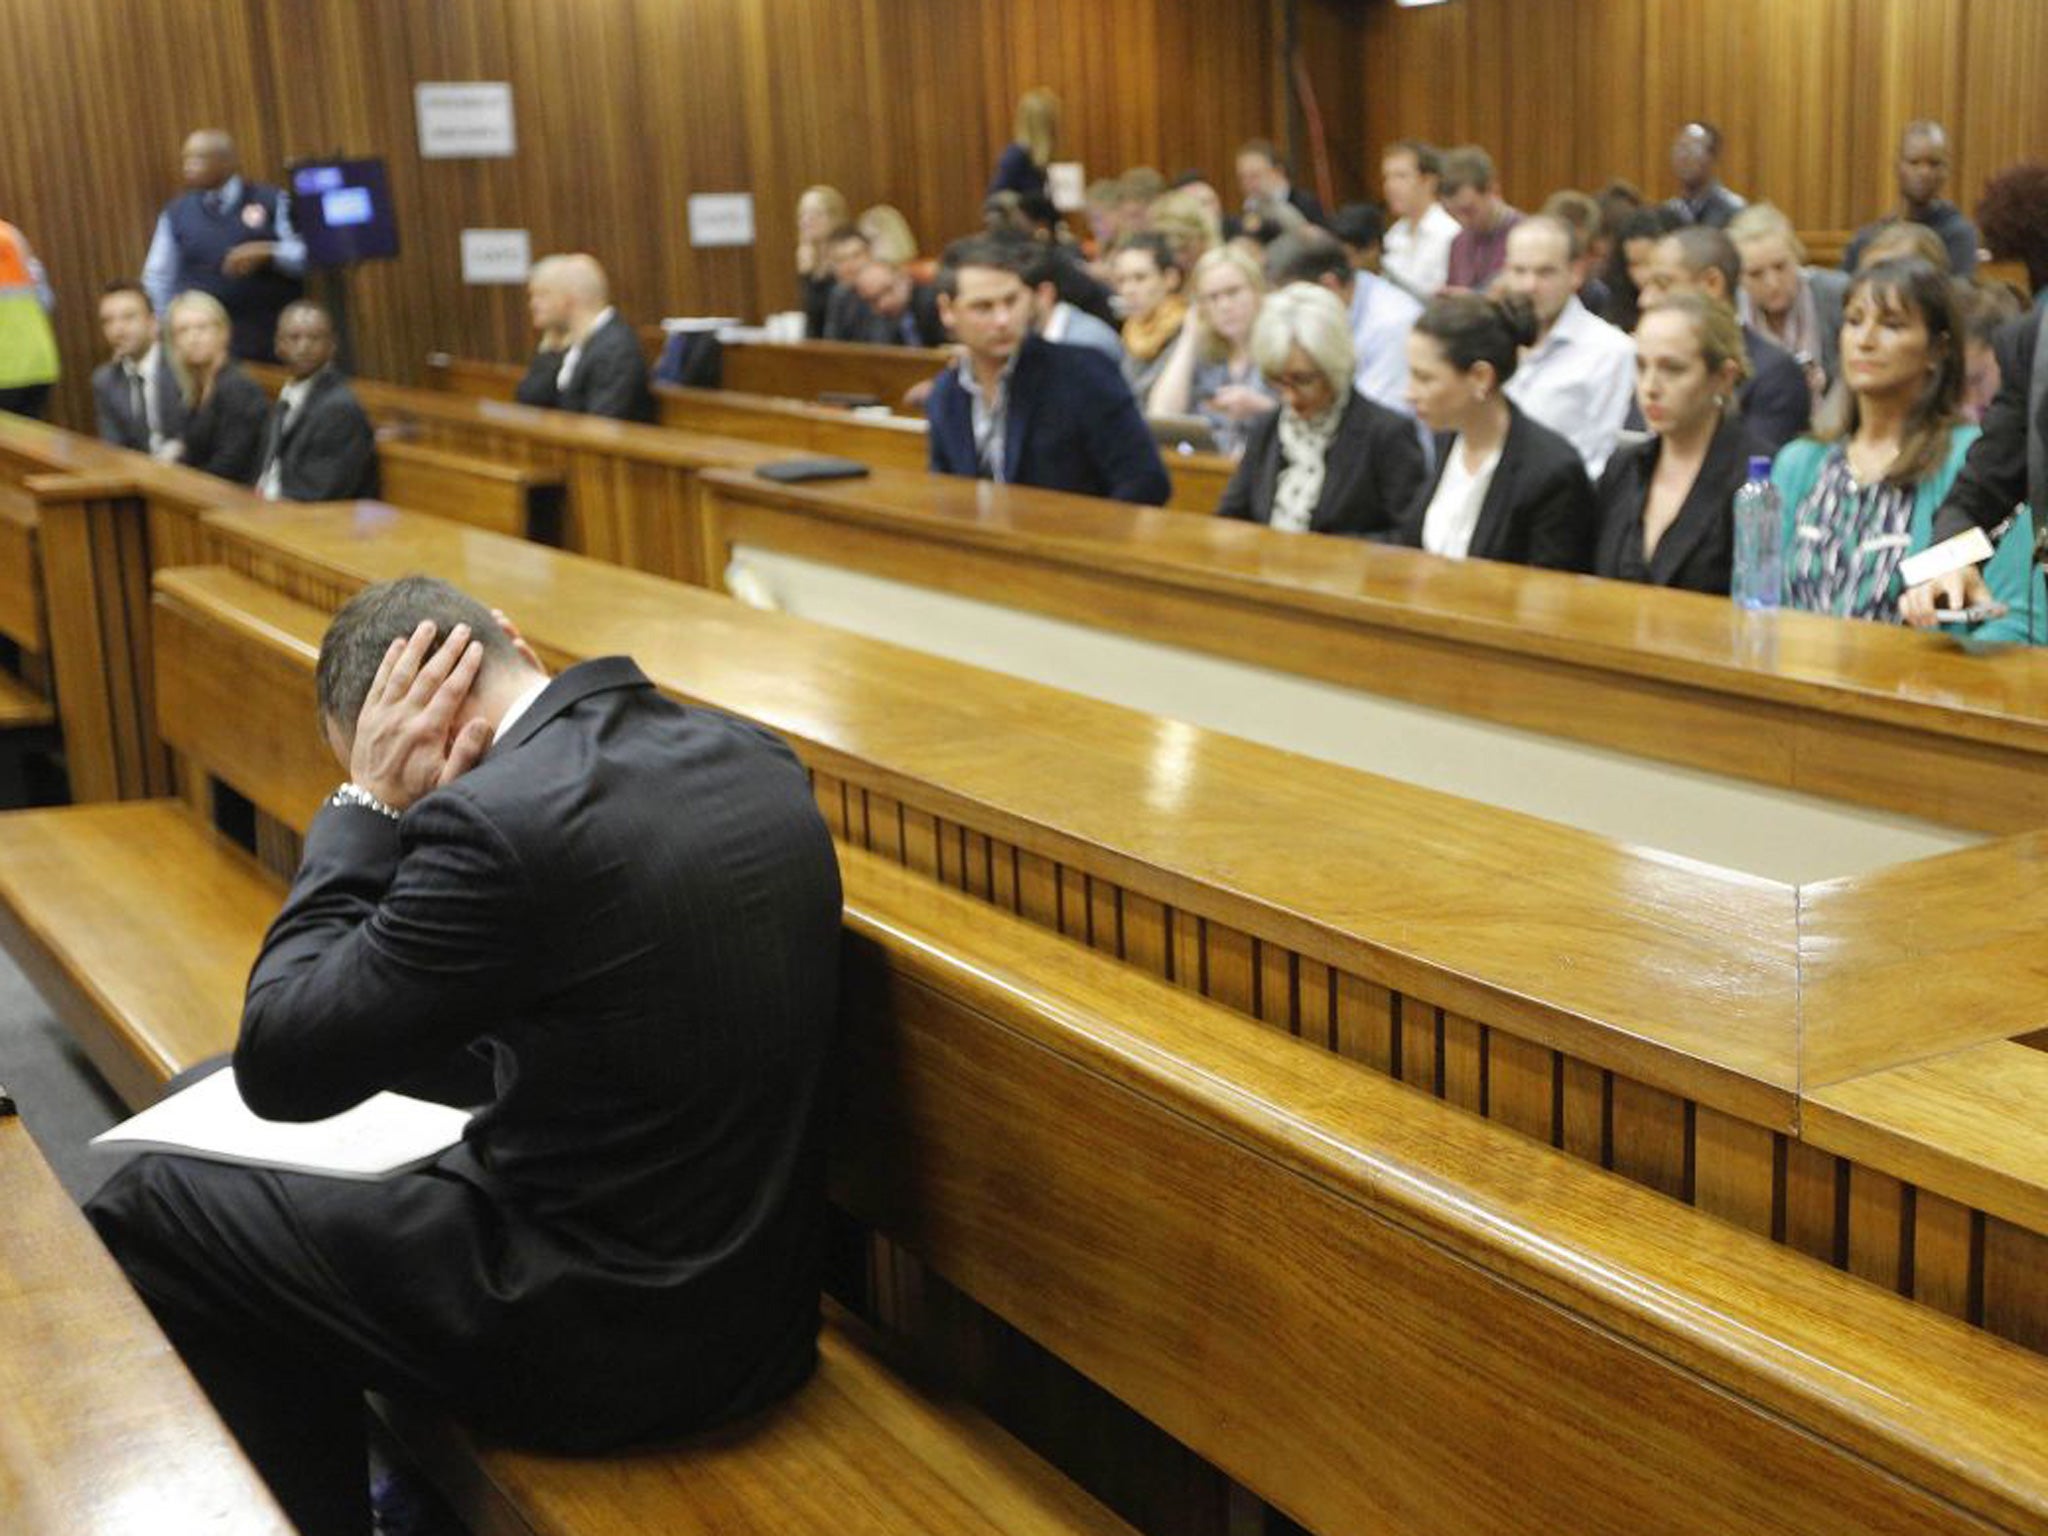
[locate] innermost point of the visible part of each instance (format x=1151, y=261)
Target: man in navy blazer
x=1025, y=411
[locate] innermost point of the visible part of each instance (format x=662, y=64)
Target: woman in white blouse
x=1506, y=487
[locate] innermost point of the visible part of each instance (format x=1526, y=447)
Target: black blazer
x=1994, y=476
x=114, y=406
x=610, y=378
x=224, y=436
x=856, y=320
x=1776, y=403
x=1370, y=474
x=1697, y=551
x=1539, y=509
x=328, y=450
x=632, y=908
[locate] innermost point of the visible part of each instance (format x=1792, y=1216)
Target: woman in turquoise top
x=1860, y=494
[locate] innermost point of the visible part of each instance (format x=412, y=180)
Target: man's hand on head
x=407, y=741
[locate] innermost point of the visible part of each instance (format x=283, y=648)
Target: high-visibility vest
x=28, y=347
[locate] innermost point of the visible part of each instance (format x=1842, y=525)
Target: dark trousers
x=27, y=400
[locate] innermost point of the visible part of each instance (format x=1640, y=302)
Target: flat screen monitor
x=342, y=209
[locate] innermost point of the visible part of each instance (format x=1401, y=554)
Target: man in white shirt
x=1579, y=377
x=1418, y=246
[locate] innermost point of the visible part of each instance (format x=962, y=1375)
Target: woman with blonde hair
x=1667, y=506
x=226, y=409
x=1783, y=299
x=1022, y=166
x=1329, y=460
x=819, y=211
x=1188, y=223
x=1211, y=372
x=889, y=236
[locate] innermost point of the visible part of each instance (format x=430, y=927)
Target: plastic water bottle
x=1759, y=539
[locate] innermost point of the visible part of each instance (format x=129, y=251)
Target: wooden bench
x=1371, y=1310
x=513, y=499
x=103, y=1432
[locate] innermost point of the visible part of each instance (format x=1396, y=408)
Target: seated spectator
x=819, y=212
x=1667, y=506
x=1148, y=283
x=1190, y=225
x=1984, y=308
x=1418, y=242
x=1199, y=190
x=1329, y=460
x=1696, y=163
x=889, y=236
x=1861, y=493
x=1104, y=208
x=1210, y=372
x=135, y=392
x=1484, y=220
x=29, y=361
x=1581, y=214
x=588, y=360
x=1381, y=315
x=1776, y=403
x=318, y=444
x=1797, y=307
x=1901, y=240
x=1272, y=203
x=1506, y=487
x=1018, y=410
x=1633, y=249
x=896, y=311
x=1618, y=200
x=849, y=252
x=1578, y=376
x=1024, y=159
x=1922, y=172
x=225, y=409
x=1362, y=230
x=1060, y=322
x=1032, y=217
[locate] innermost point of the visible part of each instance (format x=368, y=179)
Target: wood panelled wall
x=1811, y=94
x=624, y=107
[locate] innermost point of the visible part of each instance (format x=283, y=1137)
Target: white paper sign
x=1067, y=182
x=466, y=120
x=722, y=218
x=496, y=255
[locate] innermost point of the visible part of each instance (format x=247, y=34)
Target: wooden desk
x=804, y=370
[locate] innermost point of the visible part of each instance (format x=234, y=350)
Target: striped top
x=1847, y=542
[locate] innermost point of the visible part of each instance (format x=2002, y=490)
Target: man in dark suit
x=588, y=360
x=1022, y=410
x=899, y=312
x=1777, y=402
x=1272, y=203
x=318, y=444
x=134, y=393
x=620, y=918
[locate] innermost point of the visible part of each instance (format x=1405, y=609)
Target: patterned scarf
x=1304, y=456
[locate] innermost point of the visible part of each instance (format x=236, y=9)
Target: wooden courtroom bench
x=891, y=442
x=513, y=499
x=1259, y=1246
x=24, y=698
x=104, y=1432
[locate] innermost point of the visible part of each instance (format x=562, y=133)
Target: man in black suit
x=318, y=444
x=589, y=360
x=619, y=917
x=1776, y=403
x=134, y=393
x=1272, y=204
x=899, y=311
x=1025, y=411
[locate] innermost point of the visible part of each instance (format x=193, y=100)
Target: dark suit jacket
x=1776, y=404
x=328, y=450
x=114, y=406
x=1697, y=551
x=224, y=436
x=1369, y=475
x=858, y=321
x=1994, y=477
x=1072, y=426
x=846, y=315
x=1539, y=509
x=632, y=908
x=610, y=378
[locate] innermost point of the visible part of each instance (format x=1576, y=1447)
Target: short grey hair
x=1308, y=316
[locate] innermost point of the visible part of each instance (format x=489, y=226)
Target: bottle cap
x=1759, y=468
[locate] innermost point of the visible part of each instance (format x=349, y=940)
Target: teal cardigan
x=2008, y=573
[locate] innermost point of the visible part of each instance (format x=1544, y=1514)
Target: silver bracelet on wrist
x=354, y=794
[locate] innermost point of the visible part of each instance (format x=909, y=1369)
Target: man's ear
x=526, y=652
